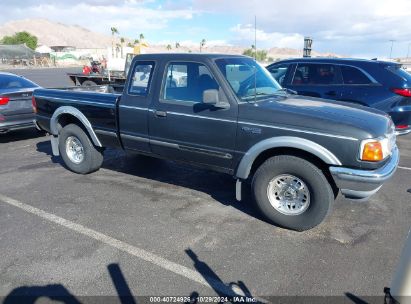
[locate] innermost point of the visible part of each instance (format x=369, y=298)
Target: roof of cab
x=187, y=56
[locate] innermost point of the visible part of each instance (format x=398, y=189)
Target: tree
x=202, y=44
x=253, y=49
x=113, y=32
x=141, y=36
x=122, y=40
x=118, y=46
x=136, y=41
x=168, y=47
x=259, y=55
x=177, y=45
x=21, y=38
x=130, y=44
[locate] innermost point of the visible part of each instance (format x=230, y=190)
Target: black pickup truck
x=227, y=113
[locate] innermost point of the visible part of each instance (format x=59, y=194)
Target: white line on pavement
x=404, y=168
x=120, y=245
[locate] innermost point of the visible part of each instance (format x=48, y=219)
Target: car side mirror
x=212, y=97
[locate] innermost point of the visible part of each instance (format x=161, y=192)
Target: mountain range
x=58, y=34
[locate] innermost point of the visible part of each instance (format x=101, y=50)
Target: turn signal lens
x=372, y=151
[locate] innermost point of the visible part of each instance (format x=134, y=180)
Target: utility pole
x=392, y=44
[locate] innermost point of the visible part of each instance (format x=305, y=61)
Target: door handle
x=331, y=93
x=160, y=113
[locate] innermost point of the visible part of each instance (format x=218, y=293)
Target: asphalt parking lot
x=146, y=227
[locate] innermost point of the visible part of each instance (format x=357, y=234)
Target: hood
x=340, y=118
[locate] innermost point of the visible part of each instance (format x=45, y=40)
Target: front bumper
x=358, y=184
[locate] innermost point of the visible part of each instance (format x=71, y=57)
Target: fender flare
x=80, y=116
x=244, y=168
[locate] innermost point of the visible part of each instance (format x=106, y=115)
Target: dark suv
x=377, y=84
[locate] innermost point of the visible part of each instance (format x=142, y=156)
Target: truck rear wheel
x=292, y=192
x=88, y=83
x=78, y=152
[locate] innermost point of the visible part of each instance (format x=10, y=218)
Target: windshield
x=247, y=78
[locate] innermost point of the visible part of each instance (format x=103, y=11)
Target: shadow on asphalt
x=57, y=292
x=233, y=289
x=18, y=135
x=30, y=294
x=221, y=187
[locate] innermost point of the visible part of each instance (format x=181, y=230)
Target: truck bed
x=99, y=108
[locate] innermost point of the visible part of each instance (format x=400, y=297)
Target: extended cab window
x=186, y=81
x=315, y=74
x=352, y=75
x=279, y=72
x=140, y=81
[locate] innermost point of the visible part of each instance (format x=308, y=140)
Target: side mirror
x=212, y=97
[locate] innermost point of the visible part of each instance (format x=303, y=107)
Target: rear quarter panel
x=99, y=108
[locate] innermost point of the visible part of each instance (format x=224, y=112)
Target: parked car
x=16, y=111
x=372, y=83
x=227, y=113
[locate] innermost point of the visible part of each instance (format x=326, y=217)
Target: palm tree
x=113, y=32
x=177, y=45
x=122, y=40
x=254, y=51
x=202, y=44
x=141, y=36
x=118, y=45
x=168, y=47
x=130, y=44
x=136, y=41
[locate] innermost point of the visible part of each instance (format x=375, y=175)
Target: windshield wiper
x=287, y=91
x=254, y=95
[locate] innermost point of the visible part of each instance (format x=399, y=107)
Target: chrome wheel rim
x=288, y=194
x=74, y=149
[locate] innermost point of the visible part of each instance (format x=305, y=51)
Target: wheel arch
x=69, y=114
x=258, y=153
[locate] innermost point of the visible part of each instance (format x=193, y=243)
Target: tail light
x=4, y=100
x=34, y=104
x=402, y=127
x=402, y=92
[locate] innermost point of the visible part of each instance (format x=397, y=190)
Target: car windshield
x=247, y=78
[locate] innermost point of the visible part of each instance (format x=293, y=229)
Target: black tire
x=321, y=196
x=93, y=156
x=88, y=83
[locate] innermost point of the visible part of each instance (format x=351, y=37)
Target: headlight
x=375, y=149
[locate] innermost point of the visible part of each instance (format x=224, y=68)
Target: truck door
x=133, y=107
x=183, y=127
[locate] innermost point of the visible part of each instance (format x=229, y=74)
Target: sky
x=357, y=28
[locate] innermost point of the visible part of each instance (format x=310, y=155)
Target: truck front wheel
x=78, y=152
x=292, y=192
